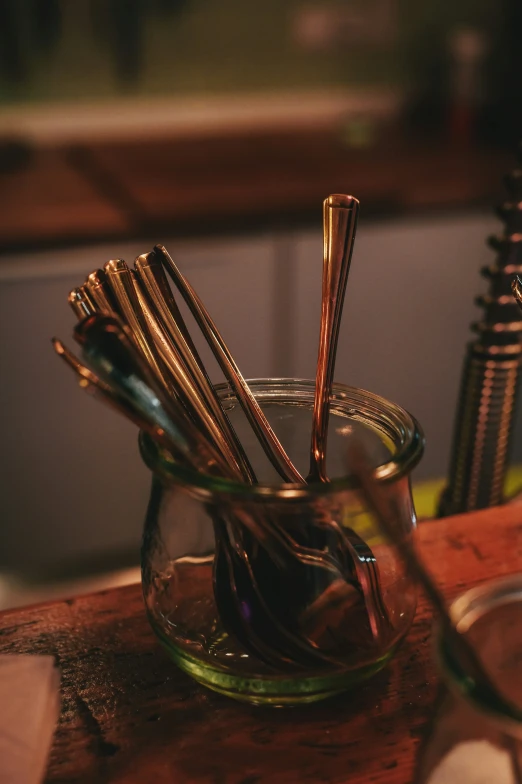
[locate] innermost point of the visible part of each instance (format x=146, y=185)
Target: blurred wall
x=90, y=49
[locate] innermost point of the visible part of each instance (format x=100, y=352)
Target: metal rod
x=260, y=424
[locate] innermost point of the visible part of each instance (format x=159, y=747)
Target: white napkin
x=474, y=762
x=29, y=709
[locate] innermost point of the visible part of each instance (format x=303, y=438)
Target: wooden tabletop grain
x=130, y=716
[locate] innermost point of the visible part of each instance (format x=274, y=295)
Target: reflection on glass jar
x=469, y=740
x=275, y=593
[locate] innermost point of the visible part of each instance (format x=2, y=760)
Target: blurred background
x=217, y=128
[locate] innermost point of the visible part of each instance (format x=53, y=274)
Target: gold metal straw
x=339, y=225
x=260, y=424
x=170, y=331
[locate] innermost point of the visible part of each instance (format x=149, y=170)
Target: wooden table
x=128, y=715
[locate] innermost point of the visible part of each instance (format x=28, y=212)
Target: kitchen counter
x=128, y=715
x=195, y=185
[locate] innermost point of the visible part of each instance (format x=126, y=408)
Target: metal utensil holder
x=490, y=376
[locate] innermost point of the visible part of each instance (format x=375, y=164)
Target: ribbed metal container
x=490, y=376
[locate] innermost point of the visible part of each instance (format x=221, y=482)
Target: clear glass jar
x=221, y=611
x=470, y=741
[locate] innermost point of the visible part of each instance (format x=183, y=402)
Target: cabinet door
x=72, y=482
x=406, y=322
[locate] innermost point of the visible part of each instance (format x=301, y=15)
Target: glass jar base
x=278, y=691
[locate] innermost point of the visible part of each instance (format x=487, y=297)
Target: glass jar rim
x=392, y=421
x=464, y=611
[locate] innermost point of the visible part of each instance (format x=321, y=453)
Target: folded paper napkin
x=29, y=708
x=474, y=762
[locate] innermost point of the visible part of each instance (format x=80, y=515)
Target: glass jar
x=470, y=740
x=269, y=593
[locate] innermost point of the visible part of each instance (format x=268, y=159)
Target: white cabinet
x=72, y=483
